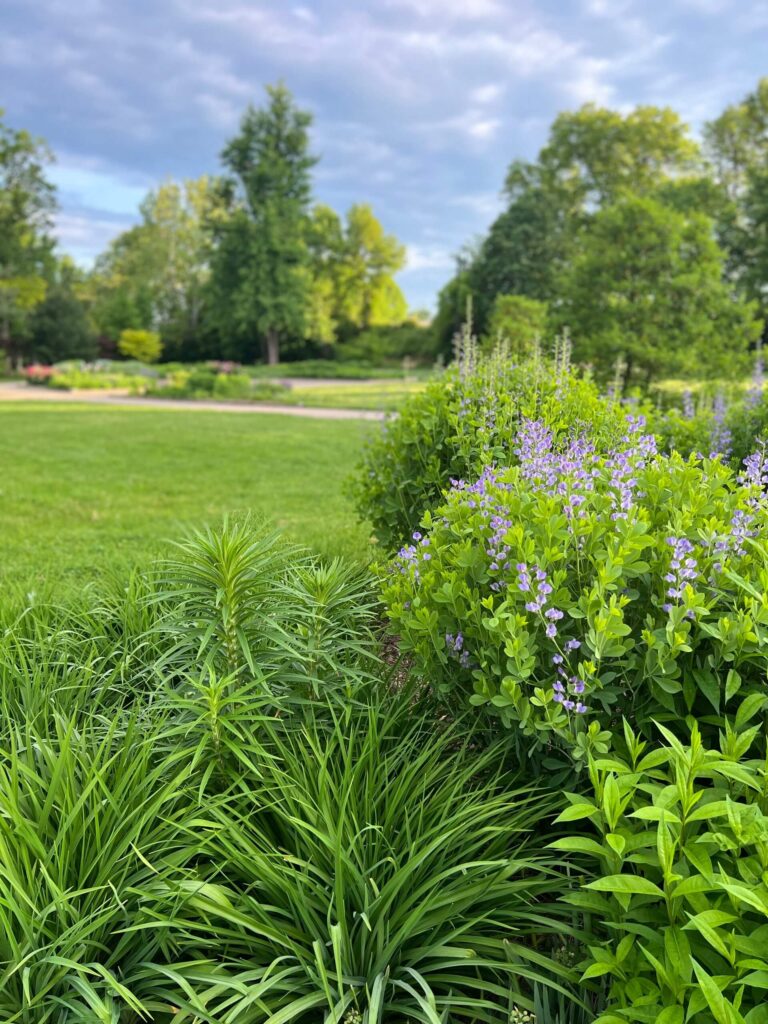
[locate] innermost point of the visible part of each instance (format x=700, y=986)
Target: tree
x=596, y=155
x=59, y=326
x=353, y=264
x=521, y=254
x=145, y=346
x=736, y=142
x=647, y=287
x=261, y=286
x=519, y=321
x=26, y=207
x=155, y=274
x=591, y=158
x=737, y=146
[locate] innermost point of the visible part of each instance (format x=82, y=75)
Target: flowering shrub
x=468, y=419
x=38, y=374
x=680, y=905
x=580, y=586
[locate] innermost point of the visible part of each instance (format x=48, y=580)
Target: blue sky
x=419, y=105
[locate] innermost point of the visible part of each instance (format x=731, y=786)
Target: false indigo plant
x=466, y=420
x=585, y=583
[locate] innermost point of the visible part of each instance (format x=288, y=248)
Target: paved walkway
x=19, y=391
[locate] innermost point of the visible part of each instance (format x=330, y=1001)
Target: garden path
x=20, y=391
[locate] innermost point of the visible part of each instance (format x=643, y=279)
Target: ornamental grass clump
x=589, y=584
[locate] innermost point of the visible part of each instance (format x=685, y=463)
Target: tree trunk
x=273, y=347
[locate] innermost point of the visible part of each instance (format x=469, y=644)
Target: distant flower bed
x=38, y=374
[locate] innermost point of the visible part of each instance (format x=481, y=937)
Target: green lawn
x=84, y=488
x=381, y=395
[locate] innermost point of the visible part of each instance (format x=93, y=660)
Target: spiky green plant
x=89, y=819
x=378, y=868
x=240, y=603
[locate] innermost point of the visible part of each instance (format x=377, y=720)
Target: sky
x=419, y=105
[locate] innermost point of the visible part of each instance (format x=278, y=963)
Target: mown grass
x=85, y=489
x=383, y=395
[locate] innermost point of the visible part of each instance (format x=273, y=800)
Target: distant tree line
x=649, y=248
x=238, y=266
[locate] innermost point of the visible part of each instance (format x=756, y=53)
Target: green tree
x=736, y=142
x=519, y=321
x=647, y=287
x=26, y=207
x=353, y=266
x=156, y=273
x=59, y=326
x=592, y=157
x=737, y=146
x=145, y=346
x=261, y=287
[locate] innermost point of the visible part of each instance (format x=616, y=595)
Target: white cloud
x=304, y=14
x=464, y=10
x=483, y=204
x=420, y=257
x=84, y=182
x=487, y=93
x=85, y=237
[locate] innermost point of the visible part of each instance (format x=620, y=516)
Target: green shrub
x=88, y=380
x=466, y=420
x=232, y=385
x=679, y=907
x=242, y=604
x=146, y=346
x=577, y=586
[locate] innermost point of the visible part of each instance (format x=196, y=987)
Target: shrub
x=460, y=423
x=680, y=903
x=145, y=346
x=89, y=380
x=232, y=386
x=37, y=374
x=577, y=586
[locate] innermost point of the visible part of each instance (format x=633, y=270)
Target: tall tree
x=155, y=274
x=592, y=157
x=736, y=142
x=26, y=208
x=737, y=145
x=647, y=287
x=353, y=265
x=261, y=286
x=59, y=326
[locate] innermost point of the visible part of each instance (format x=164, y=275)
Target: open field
x=84, y=488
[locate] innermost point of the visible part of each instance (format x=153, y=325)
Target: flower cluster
x=755, y=393
x=683, y=568
x=566, y=686
x=456, y=649
x=410, y=556
x=534, y=581
x=721, y=438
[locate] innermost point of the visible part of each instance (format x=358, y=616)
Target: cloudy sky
x=419, y=105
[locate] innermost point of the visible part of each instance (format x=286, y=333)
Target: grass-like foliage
x=375, y=867
x=215, y=806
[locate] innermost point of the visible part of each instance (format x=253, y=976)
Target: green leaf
x=633, y=884
x=576, y=811
x=722, y=1009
